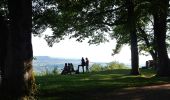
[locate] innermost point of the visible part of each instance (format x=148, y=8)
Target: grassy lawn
x=90, y=86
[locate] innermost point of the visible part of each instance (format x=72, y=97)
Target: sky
x=69, y=48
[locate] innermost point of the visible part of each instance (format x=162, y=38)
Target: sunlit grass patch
x=77, y=85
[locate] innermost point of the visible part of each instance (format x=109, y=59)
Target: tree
x=131, y=20
x=3, y=41
x=18, y=77
x=160, y=28
x=90, y=19
x=157, y=46
x=145, y=38
x=3, y=49
x=87, y=19
x=149, y=45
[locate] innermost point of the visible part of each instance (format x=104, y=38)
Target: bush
x=55, y=71
x=109, y=66
x=46, y=72
x=96, y=68
x=115, y=65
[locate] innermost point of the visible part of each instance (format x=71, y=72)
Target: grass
x=89, y=86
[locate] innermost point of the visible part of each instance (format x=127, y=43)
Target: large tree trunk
x=160, y=17
x=19, y=76
x=132, y=29
x=28, y=57
x=15, y=58
x=3, y=49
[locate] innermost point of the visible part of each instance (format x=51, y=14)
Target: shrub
x=46, y=72
x=55, y=71
x=115, y=65
x=110, y=66
x=96, y=68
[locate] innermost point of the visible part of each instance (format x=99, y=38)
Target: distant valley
x=46, y=63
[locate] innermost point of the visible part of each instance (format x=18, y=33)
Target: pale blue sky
x=69, y=48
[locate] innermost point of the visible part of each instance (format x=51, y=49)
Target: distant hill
x=44, y=63
x=51, y=60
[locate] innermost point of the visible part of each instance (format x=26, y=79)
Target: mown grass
x=90, y=85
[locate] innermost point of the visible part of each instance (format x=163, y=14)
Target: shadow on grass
x=92, y=86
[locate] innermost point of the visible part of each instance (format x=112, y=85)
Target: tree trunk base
x=164, y=74
x=163, y=69
x=135, y=73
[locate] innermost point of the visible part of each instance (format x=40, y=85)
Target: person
x=70, y=68
x=82, y=64
x=87, y=64
x=65, y=70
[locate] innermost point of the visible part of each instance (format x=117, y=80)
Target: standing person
x=82, y=64
x=87, y=64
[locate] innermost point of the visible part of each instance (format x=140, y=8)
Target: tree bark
x=19, y=54
x=28, y=54
x=160, y=17
x=133, y=36
x=3, y=49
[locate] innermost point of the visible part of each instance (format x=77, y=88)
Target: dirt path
x=155, y=92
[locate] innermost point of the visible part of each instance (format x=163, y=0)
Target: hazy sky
x=69, y=48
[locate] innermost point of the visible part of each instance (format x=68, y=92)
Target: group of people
x=69, y=68
x=84, y=63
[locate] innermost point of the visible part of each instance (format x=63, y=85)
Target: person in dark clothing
x=87, y=65
x=72, y=67
x=65, y=70
x=82, y=64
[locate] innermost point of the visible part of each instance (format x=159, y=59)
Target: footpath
x=153, y=92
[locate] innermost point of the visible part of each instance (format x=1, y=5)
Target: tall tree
x=18, y=70
x=3, y=49
x=160, y=28
x=3, y=41
x=131, y=22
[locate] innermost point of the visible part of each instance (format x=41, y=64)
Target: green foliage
x=55, y=71
x=115, y=65
x=94, y=19
x=96, y=68
x=47, y=72
x=142, y=20
x=109, y=66
x=76, y=18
